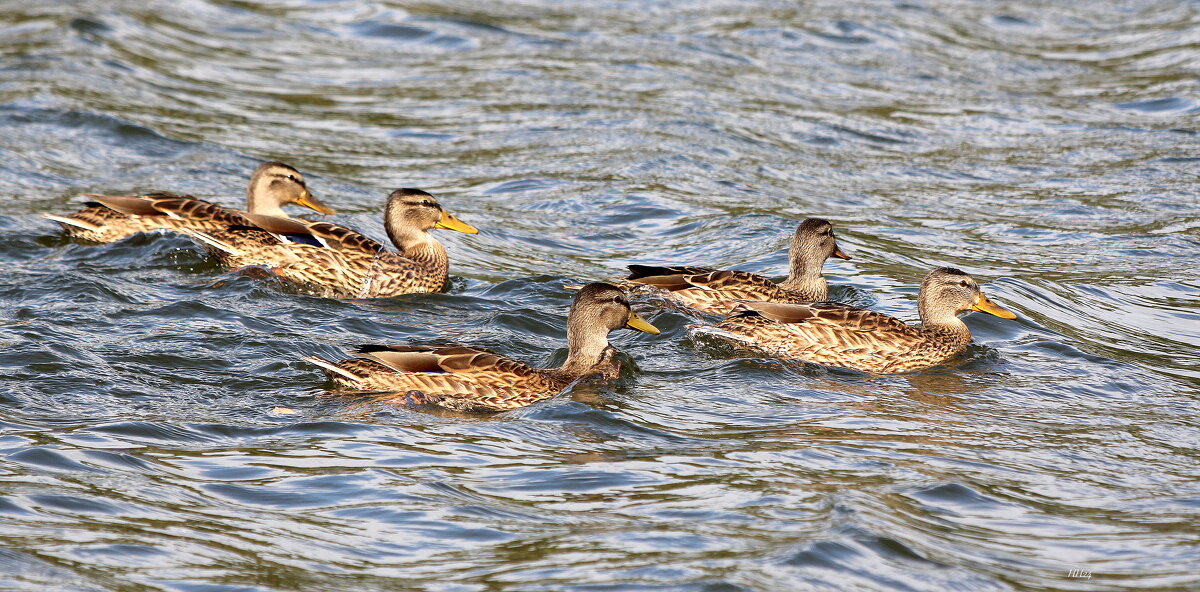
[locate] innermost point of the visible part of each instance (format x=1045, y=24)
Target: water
x=1049, y=149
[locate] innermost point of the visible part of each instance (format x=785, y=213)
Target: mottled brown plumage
x=468, y=378
x=847, y=337
x=717, y=291
x=337, y=262
x=107, y=218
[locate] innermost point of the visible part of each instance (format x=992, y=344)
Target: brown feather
x=717, y=291
x=455, y=377
x=343, y=263
x=848, y=337
x=461, y=377
x=114, y=217
x=107, y=218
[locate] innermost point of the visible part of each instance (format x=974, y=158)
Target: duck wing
x=323, y=234
x=826, y=333
x=456, y=376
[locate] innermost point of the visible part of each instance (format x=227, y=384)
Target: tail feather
x=214, y=243
x=73, y=222
x=331, y=369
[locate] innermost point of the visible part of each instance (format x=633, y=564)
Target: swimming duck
x=717, y=291
x=468, y=378
x=108, y=218
x=847, y=337
x=337, y=262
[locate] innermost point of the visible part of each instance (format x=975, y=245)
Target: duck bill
x=982, y=304
x=639, y=324
x=839, y=253
x=449, y=222
x=309, y=201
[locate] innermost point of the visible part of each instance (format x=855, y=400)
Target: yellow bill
x=449, y=222
x=309, y=201
x=639, y=324
x=839, y=253
x=982, y=304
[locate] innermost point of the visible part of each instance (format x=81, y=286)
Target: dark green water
x=1048, y=148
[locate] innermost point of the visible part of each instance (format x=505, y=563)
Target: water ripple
x=1047, y=149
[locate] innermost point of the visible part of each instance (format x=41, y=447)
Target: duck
x=718, y=291
x=466, y=378
x=109, y=218
x=842, y=336
x=337, y=262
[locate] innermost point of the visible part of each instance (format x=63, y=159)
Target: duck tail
x=332, y=370
x=72, y=222
x=219, y=245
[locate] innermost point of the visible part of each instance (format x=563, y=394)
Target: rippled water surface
x=1048, y=148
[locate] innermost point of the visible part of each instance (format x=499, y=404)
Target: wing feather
x=836, y=335
x=711, y=290
x=456, y=377
x=107, y=218
x=331, y=236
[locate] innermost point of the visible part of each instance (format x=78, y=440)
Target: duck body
x=468, y=378
x=362, y=274
x=718, y=291
x=109, y=218
x=460, y=378
x=338, y=262
x=843, y=336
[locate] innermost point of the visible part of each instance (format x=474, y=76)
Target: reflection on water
x=1046, y=149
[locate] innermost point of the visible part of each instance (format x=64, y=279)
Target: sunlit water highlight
x=1049, y=149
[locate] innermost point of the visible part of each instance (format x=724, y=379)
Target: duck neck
x=942, y=320
x=805, y=275
x=813, y=286
x=420, y=246
x=587, y=348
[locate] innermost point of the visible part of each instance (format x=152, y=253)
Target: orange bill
x=309, y=201
x=449, y=222
x=982, y=304
x=639, y=324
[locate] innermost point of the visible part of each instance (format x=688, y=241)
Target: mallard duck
x=847, y=337
x=468, y=378
x=338, y=262
x=717, y=291
x=108, y=218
